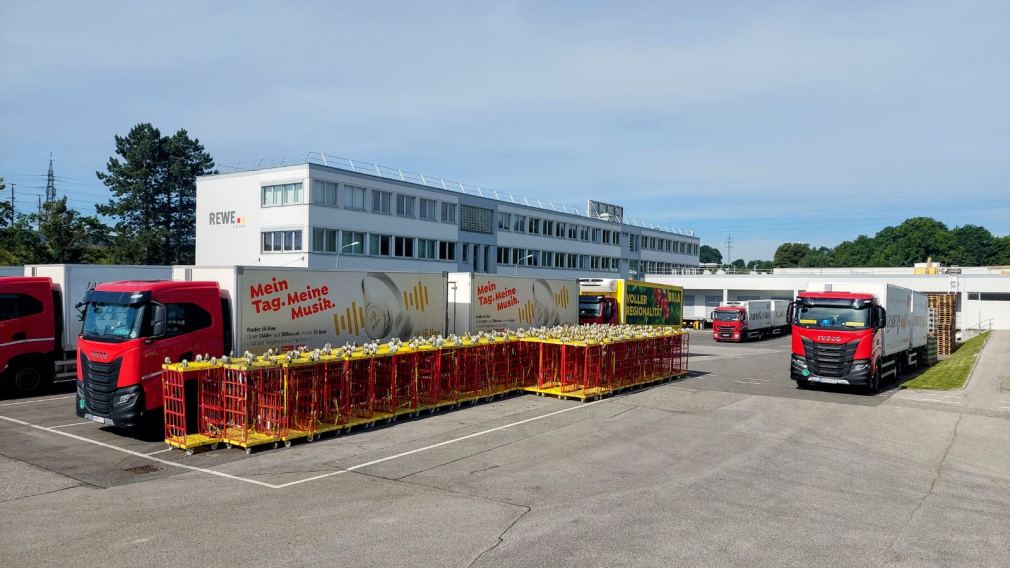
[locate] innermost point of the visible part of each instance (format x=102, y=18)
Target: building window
x=448, y=212
x=446, y=250
x=281, y=241
x=381, y=201
x=324, y=240
x=597, y=235
x=504, y=221
x=324, y=192
x=427, y=209
x=378, y=245
x=989, y=296
x=463, y=253
x=559, y=230
x=354, y=197
x=475, y=219
x=534, y=226
x=405, y=205
x=583, y=233
x=353, y=241
x=573, y=232
x=403, y=247
x=283, y=194
x=519, y=223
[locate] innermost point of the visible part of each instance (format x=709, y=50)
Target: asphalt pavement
x=732, y=466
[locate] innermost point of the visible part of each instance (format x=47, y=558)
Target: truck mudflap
x=126, y=411
x=859, y=374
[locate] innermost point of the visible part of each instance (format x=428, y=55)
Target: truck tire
x=873, y=387
x=26, y=379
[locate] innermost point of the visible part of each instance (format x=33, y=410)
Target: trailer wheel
x=26, y=379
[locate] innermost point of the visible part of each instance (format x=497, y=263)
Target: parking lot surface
x=732, y=466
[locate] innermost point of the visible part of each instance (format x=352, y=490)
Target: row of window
x=332, y=194
x=654, y=267
x=397, y=246
x=552, y=259
x=516, y=223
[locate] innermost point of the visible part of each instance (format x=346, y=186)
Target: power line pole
x=50, y=182
x=12, y=203
x=729, y=249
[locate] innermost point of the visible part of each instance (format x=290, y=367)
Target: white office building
x=319, y=211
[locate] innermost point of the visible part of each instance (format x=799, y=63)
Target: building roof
x=432, y=182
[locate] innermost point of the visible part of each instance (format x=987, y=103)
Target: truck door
x=181, y=339
x=26, y=328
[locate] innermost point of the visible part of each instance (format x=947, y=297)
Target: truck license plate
x=99, y=419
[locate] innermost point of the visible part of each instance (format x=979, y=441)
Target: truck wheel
x=26, y=379
x=874, y=385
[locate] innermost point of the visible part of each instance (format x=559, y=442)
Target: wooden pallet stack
x=943, y=321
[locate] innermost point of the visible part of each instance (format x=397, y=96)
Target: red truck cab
x=30, y=333
x=837, y=339
x=729, y=323
x=598, y=310
x=129, y=329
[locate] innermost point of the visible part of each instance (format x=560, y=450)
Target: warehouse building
x=325, y=212
x=982, y=294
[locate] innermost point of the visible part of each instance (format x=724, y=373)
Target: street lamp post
x=337, y=260
x=521, y=261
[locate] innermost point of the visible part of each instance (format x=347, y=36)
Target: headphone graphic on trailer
x=385, y=315
x=545, y=308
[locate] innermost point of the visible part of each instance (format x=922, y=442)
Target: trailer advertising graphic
x=646, y=305
x=509, y=303
x=288, y=309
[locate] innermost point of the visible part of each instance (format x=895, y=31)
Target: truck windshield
x=726, y=315
x=591, y=309
x=833, y=317
x=113, y=322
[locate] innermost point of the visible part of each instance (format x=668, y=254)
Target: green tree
x=68, y=237
x=154, y=195
x=914, y=240
x=973, y=246
x=1002, y=256
x=820, y=257
x=18, y=241
x=738, y=263
x=790, y=255
x=760, y=265
x=855, y=252
x=709, y=254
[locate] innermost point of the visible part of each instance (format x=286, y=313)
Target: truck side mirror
x=159, y=320
x=881, y=317
x=789, y=313
x=608, y=311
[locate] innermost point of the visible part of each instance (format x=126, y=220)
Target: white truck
x=749, y=319
x=856, y=333
x=487, y=302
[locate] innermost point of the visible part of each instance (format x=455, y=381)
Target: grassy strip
x=952, y=372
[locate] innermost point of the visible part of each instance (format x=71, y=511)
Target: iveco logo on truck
x=225, y=218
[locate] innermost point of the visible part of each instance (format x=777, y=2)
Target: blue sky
x=770, y=121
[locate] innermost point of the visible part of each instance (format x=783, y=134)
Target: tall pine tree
x=154, y=195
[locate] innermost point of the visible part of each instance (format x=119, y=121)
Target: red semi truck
x=751, y=319
x=131, y=327
x=856, y=333
x=40, y=321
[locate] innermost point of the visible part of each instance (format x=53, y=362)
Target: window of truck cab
x=837, y=317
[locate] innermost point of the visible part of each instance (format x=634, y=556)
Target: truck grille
x=100, y=381
x=724, y=331
x=830, y=359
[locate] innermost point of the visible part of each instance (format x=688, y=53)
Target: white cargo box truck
x=283, y=308
x=907, y=312
x=488, y=302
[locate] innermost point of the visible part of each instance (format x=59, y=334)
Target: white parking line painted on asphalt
x=72, y=424
x=151, y=457
x=159, y=452
x=440, y=444
x=38, y=400
x=936, y=400
x=138, y=454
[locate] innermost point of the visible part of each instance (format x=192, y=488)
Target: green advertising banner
x=646, y=305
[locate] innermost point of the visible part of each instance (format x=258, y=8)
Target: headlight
x=799, y=362
x=860, y=366
x=125, y=399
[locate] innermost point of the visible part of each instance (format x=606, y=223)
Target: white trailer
x=73, y=282
x=487, y=302
x=283, y=308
